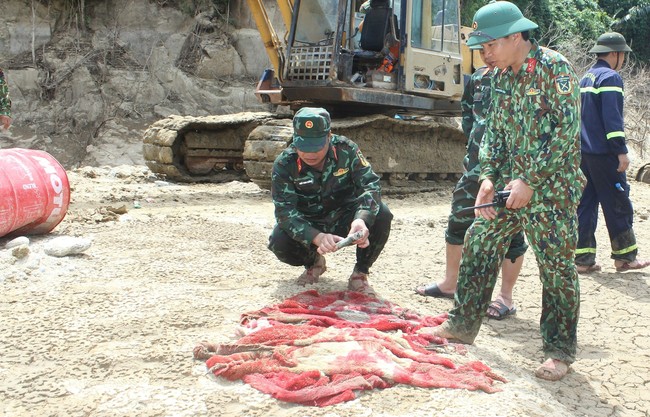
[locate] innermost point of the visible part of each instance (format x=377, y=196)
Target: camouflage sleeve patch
x=563, y=84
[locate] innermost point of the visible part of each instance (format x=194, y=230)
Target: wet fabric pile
x=323, y=349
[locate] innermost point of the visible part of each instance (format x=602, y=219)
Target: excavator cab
x=407, y=56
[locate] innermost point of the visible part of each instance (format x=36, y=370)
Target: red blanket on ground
x=320, y=349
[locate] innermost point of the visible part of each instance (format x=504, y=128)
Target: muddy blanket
x=323, y=349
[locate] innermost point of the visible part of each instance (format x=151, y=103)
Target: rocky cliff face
x=85, y=92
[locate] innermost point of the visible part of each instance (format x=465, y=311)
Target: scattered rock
x=66, y=245
x=21, y=240
x=20, y=252
x=117, y=210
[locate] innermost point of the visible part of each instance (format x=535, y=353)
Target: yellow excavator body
x=394, y=86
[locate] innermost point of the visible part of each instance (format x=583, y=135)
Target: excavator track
x=411, y=155
x=201, y=149
x=643, y=175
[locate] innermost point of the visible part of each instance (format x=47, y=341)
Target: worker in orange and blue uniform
x=605, y=160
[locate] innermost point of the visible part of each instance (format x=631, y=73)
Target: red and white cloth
x=322, y=349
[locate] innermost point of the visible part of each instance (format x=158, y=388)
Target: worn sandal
x=588, y=269
x=497, y=310
x=629, y=266
x=310, y=275
x=433, y=291
x=552, y=370
x=359, y=282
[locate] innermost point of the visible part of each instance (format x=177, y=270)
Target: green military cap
x=610, y=42
x=311, y=127
x=497, y=20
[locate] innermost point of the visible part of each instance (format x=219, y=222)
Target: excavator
x=391, y=78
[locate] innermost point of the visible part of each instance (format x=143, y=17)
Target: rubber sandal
x=433, y=291
x=310, y=275
x=500, y=310
x=552, y=370
x=588, y=269
x=358, y=282
x=630, y=266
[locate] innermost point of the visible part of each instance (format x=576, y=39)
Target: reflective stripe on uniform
x=580, y=251
x=617, y=134
x=625, y=250
x=601, y=90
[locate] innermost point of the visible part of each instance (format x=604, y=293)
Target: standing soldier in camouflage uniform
x=323, y=189
x=605, y=160
x=532, y=147
x=5, y=103
x=475, y=103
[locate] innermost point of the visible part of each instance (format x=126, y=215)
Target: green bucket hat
x=610, y=42
x=497, y=20
x=311, y=126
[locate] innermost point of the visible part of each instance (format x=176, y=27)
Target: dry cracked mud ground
x=110, y=332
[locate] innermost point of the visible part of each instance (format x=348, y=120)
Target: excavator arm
x=270, y=39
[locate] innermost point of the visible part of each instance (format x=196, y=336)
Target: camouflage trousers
x=295, y=253
x=464, y=195
x=553, y=237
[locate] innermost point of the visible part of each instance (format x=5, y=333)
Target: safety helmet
x=497, y=20
x=610, y=42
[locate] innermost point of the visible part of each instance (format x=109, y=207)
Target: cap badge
x=309, y=124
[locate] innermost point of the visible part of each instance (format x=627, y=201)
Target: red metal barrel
x=34, y=192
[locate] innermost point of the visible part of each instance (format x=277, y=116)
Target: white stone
x=21, y=240
x=66, y=245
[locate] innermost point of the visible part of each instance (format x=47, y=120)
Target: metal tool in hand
x=349, y=240
x=499, y=200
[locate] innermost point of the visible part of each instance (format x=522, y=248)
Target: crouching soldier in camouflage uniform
x=532, y=146
x=324, y=189
x=5, y=103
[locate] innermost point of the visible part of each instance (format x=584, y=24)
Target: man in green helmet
x=605, y=160
x=532, y=148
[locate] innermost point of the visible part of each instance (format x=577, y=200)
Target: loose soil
x=111, y=332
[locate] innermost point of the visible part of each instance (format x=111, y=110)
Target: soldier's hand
x=520, y=194
x=485, y=195
x=326, y=242
x=359, y=225
x=623, y=162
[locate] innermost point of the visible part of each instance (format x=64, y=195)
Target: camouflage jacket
x=533, y=130
x=308, y=201
x=475, y=102
x=5, y=101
